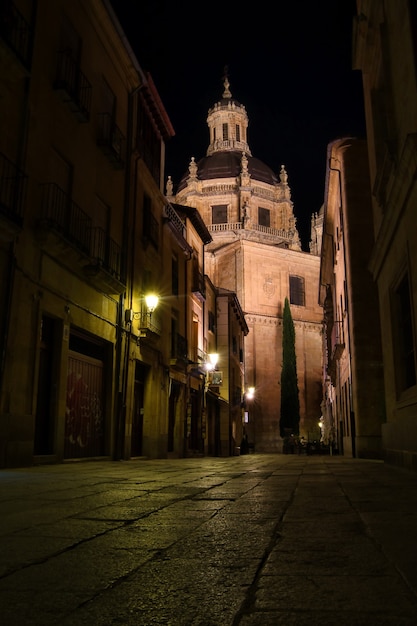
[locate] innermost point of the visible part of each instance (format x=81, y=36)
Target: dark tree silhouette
x=290, y=401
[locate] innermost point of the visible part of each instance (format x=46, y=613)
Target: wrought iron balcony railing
x=16, y=32
x=179, y=348
x=111, y=141
x=198, y=286
x=63, y=215
x=149, y=324
x=105, y=252
x=73, y=86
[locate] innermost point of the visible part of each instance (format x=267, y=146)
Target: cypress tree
x=290, y=401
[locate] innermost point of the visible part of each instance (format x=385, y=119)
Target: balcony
x=73, y=86
x=179, y=350
x=149, y=325
x=65, y=231
x=105, y=268
x=198, y=286
x=337, y=343
x=63, y=225
x=16, y=33
x=177, y=227
x=111, y=141
x=12, y=188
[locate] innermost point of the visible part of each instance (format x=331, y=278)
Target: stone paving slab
x=257, y=540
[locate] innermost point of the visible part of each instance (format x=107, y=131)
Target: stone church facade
x=256, y=253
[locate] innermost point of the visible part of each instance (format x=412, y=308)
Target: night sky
x=289, y=64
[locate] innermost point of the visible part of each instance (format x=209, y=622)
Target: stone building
x=256, y=253
x=82, y=145
x=106, y=324
x=385, y=51
x=353, y=407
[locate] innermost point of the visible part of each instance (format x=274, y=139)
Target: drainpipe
x=122, y=361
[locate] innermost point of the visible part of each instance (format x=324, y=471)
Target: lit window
x=174, y=276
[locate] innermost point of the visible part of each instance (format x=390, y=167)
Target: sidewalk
x=255, y=540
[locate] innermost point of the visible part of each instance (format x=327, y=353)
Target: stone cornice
x=269, y=320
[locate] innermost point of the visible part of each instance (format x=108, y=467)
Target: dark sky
x=289, y=63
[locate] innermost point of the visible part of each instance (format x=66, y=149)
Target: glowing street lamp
x=212, y=361
x=250, y=394
x=151, y=301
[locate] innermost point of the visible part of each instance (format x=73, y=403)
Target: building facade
x=353, y=390
x=256, y=253
x=66, y=87
x=106, y=326
x=385, y=51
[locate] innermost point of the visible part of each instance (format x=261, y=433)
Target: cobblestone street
x=261, y=540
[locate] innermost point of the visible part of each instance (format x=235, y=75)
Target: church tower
x=256, y=253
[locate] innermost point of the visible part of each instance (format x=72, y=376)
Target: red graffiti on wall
x=83, y=411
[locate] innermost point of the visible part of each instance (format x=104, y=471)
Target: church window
x=214, y=134
x=264, y=217
x=237, y=132
x=219, y=214
x=225, y=132
x=297, y=292
x=404, y=354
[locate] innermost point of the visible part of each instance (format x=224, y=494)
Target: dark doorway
x=136, y=448
x=195, y=441
x=44, y=419
x=174, y=392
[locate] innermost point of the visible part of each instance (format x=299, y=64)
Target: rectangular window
x=174, y=333
x=219, y=214
x=225, y=132
x=107, y=100
x=297, y=293
x=404, y=354
x=264, y=217
x=148, y=141
x=237, y=132
x=174, y=275
x=70, y=41
x=150, y=223
x=211, y=322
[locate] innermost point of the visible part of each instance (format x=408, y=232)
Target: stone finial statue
x=169, y=188
x=226, y=93
x=244, y=163
x=192, y=168
x=283, y=175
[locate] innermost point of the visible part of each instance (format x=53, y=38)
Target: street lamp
x=151, y=301
x=321, y=428
x=210, y=365
x=250, y=394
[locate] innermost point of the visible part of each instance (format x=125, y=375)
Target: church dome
x=228, y=164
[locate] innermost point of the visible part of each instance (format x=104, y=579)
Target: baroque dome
x=228, y=164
